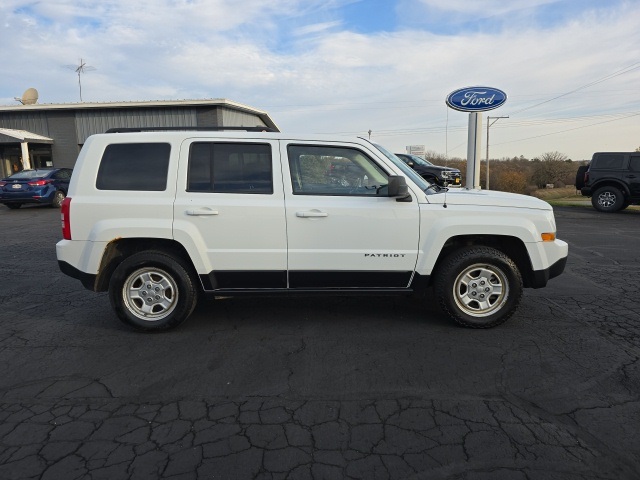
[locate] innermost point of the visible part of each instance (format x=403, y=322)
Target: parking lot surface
x=323, y=387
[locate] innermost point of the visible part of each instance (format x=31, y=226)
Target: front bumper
x=541, y=277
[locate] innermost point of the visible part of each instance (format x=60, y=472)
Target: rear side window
x=230, y=168
x=134, y=166
x=62, y=175
x=608, y=162
x=634, y=163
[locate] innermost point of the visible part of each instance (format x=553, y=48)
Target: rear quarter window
x=608, y=162
x=134, y=166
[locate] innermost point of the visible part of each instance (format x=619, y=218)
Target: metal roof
x=214, y=102
x=9, y=135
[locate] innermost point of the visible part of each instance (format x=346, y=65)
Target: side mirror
x=397, y=187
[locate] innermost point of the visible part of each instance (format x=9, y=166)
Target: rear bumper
x=586, y=191
x=88, y=280
x=27, y=197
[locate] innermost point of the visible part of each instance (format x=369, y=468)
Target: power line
x=569, y=129
x=516, y=124
x=627, y=69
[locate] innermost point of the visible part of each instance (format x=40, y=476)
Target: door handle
x=202, y=211
x=311, y=213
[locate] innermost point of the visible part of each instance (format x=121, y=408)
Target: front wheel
x=478, y=287
x=607, y=199
x=152, y=291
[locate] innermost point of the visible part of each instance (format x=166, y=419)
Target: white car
x=159, y=217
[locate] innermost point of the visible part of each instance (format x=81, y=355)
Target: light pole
x=489, y=123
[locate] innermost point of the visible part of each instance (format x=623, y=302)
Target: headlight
x=445, y=174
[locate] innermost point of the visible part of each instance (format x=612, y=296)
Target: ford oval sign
x=476, y=99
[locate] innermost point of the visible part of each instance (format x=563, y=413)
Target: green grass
x=569, y=197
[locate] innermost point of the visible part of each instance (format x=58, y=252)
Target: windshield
x=420, y=161
x=408, y=171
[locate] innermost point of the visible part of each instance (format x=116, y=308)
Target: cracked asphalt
x=323, y=388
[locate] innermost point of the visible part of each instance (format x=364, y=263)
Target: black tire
x=13, y=206
x=607, y=199
x=174, y=291
x=58, y=198
x=478, y=287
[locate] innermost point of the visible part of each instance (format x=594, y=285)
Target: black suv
x=612, y=180
x=443, y=176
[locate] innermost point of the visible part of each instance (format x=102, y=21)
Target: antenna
x=81, y=68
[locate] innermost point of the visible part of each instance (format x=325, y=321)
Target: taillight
x=64, y=217
x=2, y=184
x=586, y=177
x=38, y=183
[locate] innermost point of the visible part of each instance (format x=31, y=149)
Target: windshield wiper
x=435, y=186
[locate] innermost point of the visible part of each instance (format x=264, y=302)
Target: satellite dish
x=29, y=97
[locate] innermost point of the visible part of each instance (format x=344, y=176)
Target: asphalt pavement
x=323, y=387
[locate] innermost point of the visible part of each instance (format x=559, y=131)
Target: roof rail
x=199, y=129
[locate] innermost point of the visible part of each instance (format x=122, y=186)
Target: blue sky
x=346, y=66
x=450, y=18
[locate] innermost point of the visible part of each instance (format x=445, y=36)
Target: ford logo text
x=476, y=99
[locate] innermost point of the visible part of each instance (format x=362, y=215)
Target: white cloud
x=484, y=7
x=315, y=28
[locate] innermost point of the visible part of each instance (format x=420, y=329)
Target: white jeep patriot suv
x=157, y=218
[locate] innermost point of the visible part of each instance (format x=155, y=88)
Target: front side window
x=230, y=168
x=322, y=170
x=134, y=166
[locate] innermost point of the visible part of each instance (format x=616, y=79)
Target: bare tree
x=554, y=157
x=552, y=168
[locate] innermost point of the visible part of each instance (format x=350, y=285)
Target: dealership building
x=51, y=135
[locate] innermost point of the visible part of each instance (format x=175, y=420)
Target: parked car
x=443, y=176
x=612, y=180
x=246, y=213
x=47, y=186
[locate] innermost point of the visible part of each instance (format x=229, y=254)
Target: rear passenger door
x=229, y=209
x=61, y=179
x=633, y=175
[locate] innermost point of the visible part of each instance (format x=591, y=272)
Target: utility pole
x=489, y=123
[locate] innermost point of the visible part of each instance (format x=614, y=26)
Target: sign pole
x=476, y=100
x=474, y=141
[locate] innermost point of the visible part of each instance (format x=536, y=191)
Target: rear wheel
x=479, y=287
x=152, y=291
x=607, y=199
x=58, y=198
